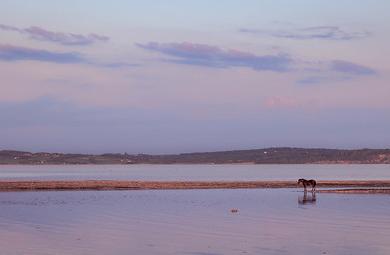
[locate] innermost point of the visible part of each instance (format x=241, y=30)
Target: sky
x=172, y=76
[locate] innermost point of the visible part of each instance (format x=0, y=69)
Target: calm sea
x=193, y=222
x=195, y=172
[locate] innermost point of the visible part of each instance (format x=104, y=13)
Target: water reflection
x=145, y=222
x=307, y=198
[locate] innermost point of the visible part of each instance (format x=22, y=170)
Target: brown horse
x=305, y=183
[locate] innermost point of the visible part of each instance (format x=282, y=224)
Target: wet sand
x=376, y=185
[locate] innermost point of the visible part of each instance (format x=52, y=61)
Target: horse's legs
x=313, y=196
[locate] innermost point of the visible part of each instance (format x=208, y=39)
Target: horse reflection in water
x=307, y=199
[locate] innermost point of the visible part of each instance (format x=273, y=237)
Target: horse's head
x=301, y=180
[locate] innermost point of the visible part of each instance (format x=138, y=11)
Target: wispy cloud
x=41, y=34
x=336, y=71
x=216, y=57
x=325, y=78
x=351, y=68
x=15, y=53
x=308, y=33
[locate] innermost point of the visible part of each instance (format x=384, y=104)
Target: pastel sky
x=172, y=76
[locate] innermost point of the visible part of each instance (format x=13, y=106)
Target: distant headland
x=276, y=155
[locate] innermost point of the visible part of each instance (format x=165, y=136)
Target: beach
x=167, y=185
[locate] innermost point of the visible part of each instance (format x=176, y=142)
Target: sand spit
x=143, y=185
x=357, y=191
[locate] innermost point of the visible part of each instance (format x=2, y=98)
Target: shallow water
x=197, y=222
x=196, y=172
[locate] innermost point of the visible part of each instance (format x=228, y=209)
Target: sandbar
x=6, y=185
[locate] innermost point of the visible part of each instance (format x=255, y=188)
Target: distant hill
x=257, y=156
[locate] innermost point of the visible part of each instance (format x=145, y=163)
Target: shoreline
x=270, y=155
x=357, y=191
x=172, y=185
x=197, y=163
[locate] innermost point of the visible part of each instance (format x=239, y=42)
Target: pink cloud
x=216, y=57
x=281, y=102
